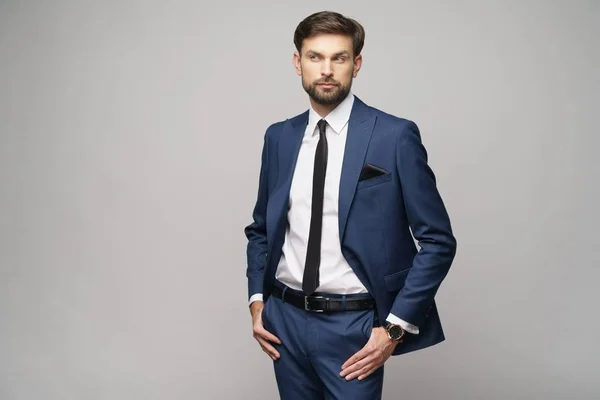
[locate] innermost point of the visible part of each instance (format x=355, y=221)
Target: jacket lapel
x=360, y=129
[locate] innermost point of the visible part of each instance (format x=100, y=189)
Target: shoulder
x=394, y=127
x=388, y=120
x=275, y=130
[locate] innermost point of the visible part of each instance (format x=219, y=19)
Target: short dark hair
x=330, y=22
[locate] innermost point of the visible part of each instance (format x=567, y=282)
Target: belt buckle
x=313, y=297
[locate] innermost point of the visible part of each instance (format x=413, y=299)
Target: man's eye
x=314, y=58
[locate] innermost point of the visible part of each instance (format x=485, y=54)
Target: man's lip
x=326, y=84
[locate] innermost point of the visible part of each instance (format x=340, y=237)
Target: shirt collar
x=336, y=119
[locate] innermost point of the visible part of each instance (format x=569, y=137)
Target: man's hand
x=376, y=352
x=260, y=333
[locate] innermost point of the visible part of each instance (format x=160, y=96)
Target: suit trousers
x=314, y=348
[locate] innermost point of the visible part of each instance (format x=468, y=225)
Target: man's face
x=327, y=66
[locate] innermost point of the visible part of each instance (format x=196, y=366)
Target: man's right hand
x=262, y=336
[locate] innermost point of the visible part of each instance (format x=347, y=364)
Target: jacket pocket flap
x=395, y=281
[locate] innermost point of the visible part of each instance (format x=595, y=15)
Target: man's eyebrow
x=340, y=53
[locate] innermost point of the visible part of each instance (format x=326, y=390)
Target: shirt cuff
x=410, y=328
x=255, y=297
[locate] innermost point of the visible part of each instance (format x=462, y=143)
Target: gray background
x=130, y=138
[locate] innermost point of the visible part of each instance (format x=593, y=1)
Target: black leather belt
x=323, y=303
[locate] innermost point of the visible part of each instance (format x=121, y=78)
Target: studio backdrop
x=130, y=140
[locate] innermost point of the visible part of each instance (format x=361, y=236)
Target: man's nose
x=326, y=69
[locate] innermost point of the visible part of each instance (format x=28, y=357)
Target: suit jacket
x=376, y=216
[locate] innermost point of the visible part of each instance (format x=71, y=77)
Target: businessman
x=336, y=284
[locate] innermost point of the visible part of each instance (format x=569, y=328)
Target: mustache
x=328, y=81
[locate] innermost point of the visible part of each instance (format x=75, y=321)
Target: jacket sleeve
x=256, y=232
x=429, y=223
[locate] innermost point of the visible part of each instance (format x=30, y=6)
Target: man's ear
x=357, y=65
x=297, y=64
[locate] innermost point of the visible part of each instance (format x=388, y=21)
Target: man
x=336, y=284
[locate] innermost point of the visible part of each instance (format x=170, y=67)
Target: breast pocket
x=374, y=181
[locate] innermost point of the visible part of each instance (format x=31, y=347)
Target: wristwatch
x=395, y=332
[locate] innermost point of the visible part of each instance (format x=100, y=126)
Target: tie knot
x=321, y=124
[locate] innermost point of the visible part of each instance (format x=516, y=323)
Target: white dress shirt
x=335, y=274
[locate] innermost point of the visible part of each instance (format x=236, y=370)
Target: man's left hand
x=375, y=353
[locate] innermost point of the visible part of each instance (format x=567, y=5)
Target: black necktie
x=310, y=282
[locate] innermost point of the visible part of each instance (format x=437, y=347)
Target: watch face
x=395, y=332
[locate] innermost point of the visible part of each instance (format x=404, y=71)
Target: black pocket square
x=371, y=171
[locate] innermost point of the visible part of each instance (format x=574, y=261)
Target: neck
x=322, y=109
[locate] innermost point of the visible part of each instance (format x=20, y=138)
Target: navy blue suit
x=376, y=217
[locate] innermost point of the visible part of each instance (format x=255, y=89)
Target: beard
x=322, y=96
